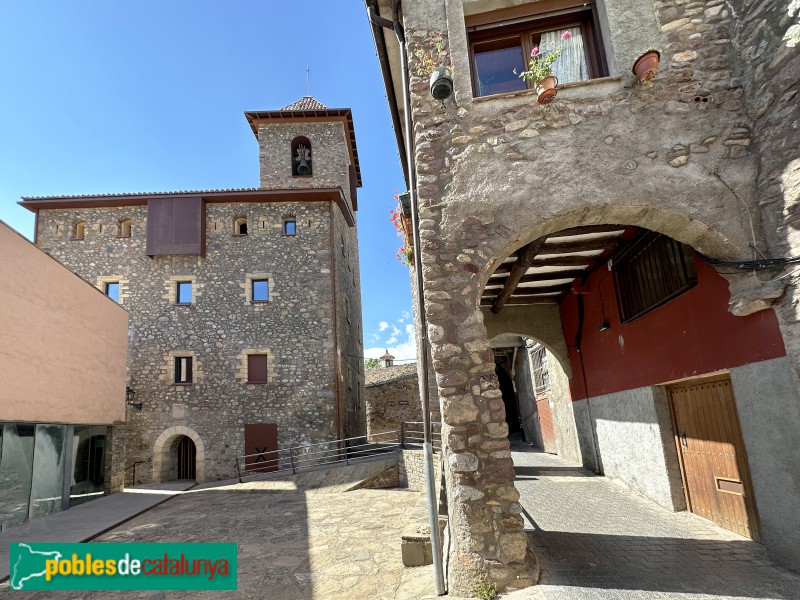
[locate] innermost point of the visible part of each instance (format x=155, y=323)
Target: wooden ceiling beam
x=586, y=229
x=579, y=246
x=568, y=274
x=560, y=261
x=523, y=300
x=545, y=289
x=526, y=256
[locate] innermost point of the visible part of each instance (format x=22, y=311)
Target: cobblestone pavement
x=595, y=539
x=310, y=544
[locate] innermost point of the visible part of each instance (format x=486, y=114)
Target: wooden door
x=546, y=425
x=260, y=443
x=711, y=452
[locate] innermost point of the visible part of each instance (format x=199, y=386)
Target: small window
x=498, y=49
x=652, y=270
x=257, y=368
x=260, y=290
x=125, y=228
x=290, y=227
x=112, y=290
x=78, y=230
x=183, y=369
x=240, y=226
x=183, y=292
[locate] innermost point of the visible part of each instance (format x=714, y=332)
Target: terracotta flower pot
x=546, y=89
x=646, y=66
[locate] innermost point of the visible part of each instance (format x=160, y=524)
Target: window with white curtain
x=501, y=42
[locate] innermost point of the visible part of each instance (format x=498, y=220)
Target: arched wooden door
x=187, y=459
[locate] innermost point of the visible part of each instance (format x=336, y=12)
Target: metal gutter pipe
x=430, y=484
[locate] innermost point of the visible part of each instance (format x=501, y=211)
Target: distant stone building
x=392, y=397
x=245, y=304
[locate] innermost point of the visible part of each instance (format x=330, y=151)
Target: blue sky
x=103, y=97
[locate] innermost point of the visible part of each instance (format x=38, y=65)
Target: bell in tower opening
x=301, y=152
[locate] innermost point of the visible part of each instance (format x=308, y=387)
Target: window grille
x=652, y=270
x=539, y=371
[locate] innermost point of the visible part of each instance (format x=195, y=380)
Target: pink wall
x=690, y=335
x=63, y=343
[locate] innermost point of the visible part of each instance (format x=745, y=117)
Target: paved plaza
x=308, y=538
x=294, y=542
x=594, y=539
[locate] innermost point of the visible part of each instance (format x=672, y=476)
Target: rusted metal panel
x=176, y=226
x=260, y=444
x=712, y=455
x=546, y=425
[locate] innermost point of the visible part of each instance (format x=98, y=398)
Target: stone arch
x=164, y=445
x=724, y=242
x=541, y=323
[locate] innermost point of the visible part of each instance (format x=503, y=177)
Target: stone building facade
x=392, y=397
x=705, y=154
x=270, y=312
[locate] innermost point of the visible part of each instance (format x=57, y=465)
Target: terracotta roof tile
x=382, y=375
x=306, y=103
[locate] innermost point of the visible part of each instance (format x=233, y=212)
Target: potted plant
x=405, y=203
x=539, y=69
x=402, y=225
x=646, y=66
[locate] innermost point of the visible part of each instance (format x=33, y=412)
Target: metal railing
x=310, y=457
x=412, y=432
x=132, y=466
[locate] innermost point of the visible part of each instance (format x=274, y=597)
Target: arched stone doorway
x=177, y=443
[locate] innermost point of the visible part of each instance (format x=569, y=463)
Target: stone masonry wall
x=296, y=325
x=384, y=411
x=495, y=173
x=329, y=155
x=411, y=468
x=330, y=168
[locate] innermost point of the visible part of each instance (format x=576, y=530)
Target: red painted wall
x=690, y=335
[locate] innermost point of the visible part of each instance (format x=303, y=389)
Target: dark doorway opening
x=187, y=459
x=503, y=368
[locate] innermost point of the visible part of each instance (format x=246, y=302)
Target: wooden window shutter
x=257, y=368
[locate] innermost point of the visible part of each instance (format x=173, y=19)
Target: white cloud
x=410, y=331
x=383, y=326
x=391, y=340
x=405, y=314
x=395, y=331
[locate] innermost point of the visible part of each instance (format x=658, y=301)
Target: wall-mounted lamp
x=130, y=395
x=603, y=326
x=441, y=84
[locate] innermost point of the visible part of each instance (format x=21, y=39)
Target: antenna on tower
x=308, y=81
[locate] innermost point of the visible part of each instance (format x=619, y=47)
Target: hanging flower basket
x=546, y=89
x=646, y=66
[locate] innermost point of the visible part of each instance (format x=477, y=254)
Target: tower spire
x=308, y=82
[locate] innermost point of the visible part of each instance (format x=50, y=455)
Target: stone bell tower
x=306, y=145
